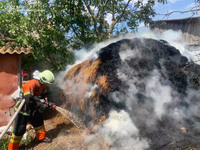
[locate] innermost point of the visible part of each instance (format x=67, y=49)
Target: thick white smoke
x=161, y=94
x=119, y=130
x=158, y=95
x=174, y=38
x=119, y=133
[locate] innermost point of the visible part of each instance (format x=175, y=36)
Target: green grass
x=28, y=140
x=4, y=143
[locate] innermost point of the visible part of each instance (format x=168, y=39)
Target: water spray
x=76, y=121
x=79, y=124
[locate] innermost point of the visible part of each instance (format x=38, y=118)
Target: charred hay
x=113, y=73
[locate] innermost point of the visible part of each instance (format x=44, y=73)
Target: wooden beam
x=19, y=71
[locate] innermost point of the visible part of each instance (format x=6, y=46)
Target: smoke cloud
x=160, y=102
x=161, y=94
x=120, y=133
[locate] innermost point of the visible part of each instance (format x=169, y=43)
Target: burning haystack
x=146, y=80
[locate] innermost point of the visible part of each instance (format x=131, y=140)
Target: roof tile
x=8, y=48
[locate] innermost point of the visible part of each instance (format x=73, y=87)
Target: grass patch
x=23, y=144
x=26, y=141
x=4, y=143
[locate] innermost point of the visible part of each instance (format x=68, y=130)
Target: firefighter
x=34, y=93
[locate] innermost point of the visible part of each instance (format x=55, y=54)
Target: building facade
x=10, y=75
x=190, y=28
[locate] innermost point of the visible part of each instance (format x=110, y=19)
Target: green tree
x=53, y=28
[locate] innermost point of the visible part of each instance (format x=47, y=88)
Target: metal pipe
x=13, y=118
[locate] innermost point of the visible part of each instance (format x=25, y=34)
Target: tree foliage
x=53, y=28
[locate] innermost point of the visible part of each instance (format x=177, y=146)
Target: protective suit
x=34, y=93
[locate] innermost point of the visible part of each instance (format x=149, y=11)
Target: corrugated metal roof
x=180, y=19
x=10, y=48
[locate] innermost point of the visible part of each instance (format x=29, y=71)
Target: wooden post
x=19, y=74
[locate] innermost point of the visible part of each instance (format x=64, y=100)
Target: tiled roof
x=9, y=48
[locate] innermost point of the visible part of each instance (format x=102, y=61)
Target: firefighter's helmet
x=46, y=77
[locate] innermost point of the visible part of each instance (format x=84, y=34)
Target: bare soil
x=64, y=135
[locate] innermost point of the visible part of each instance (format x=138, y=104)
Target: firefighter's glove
x=52, y=106
x=41, y=106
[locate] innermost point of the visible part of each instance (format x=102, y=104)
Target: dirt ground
x=64, y=135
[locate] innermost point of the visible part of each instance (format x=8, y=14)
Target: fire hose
x=77, y=122
x=13, y=118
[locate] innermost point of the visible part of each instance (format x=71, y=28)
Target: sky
x=174, y=5
x=171, y=5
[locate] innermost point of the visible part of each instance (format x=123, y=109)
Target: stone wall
x=190, y=28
